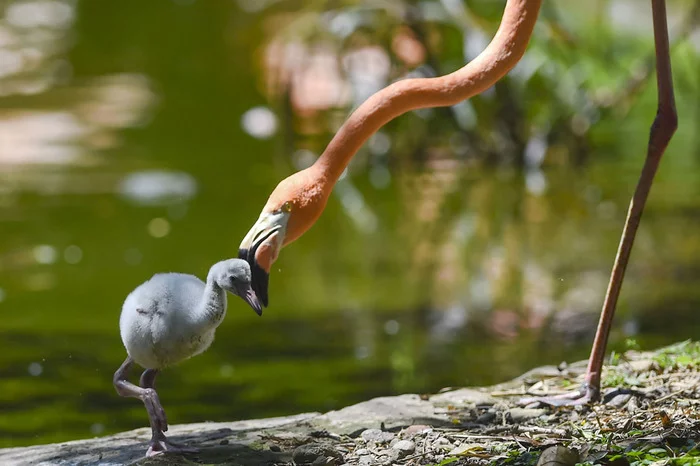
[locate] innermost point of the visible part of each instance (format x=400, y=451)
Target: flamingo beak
x=260, y=249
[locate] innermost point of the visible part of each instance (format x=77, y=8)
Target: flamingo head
x=293, y=207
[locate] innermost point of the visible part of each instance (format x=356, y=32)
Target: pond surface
x=123, y=153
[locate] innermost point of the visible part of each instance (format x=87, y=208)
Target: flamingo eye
x=287, y=207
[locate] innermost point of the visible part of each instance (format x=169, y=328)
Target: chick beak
x=250, y=297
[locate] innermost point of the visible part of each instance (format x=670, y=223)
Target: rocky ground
x=655, y=422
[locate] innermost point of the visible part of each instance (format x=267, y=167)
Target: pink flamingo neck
x=501, y=55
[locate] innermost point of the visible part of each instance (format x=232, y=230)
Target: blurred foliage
x=585, y=85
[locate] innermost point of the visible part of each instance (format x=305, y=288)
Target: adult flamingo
x=298, y=201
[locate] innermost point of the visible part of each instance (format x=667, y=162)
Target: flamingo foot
x=583, y=396
x=578, y=397
x=160, y=445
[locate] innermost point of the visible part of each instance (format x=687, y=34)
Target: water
x=124, y=152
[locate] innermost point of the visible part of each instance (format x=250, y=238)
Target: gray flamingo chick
x=168, y=319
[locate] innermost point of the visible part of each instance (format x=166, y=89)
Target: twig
x=483, y=437
x=526, y=429
x=519, y=392
x=416, y=456
x=671, y=395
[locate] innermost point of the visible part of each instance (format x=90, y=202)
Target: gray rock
x=362, y=451
x=463, y=398
x=130, y=447
x=317, y=454
x=377, y=436
x=393, y=411
x=240, y=441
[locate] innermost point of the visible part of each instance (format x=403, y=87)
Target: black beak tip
x=260, y=278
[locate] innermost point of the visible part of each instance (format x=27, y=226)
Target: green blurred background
x=463, y=246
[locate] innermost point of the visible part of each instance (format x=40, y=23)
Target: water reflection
x=259, y=122
x=40, y=138
x=158, y=187
x=34, y=36
x=459, y=247
x=70, y=136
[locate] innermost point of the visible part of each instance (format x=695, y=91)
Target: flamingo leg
x=660, y=135
x=148, y=395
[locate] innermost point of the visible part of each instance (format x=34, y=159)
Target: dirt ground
x=654, y=419
x=649, y=416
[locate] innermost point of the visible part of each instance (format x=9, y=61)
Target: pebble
x=486, y=418
x=441, y=441
x=317, y=454
x=377, y=436
x=641, y=365
x=404, y=447
x=558, y=456
x=388, y=457
x=619, y=401
x=442, y=444
x=416, y=429
x=518, y=415
x=632, y=405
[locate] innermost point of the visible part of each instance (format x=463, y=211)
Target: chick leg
x=147, y=394
x=159, y=443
